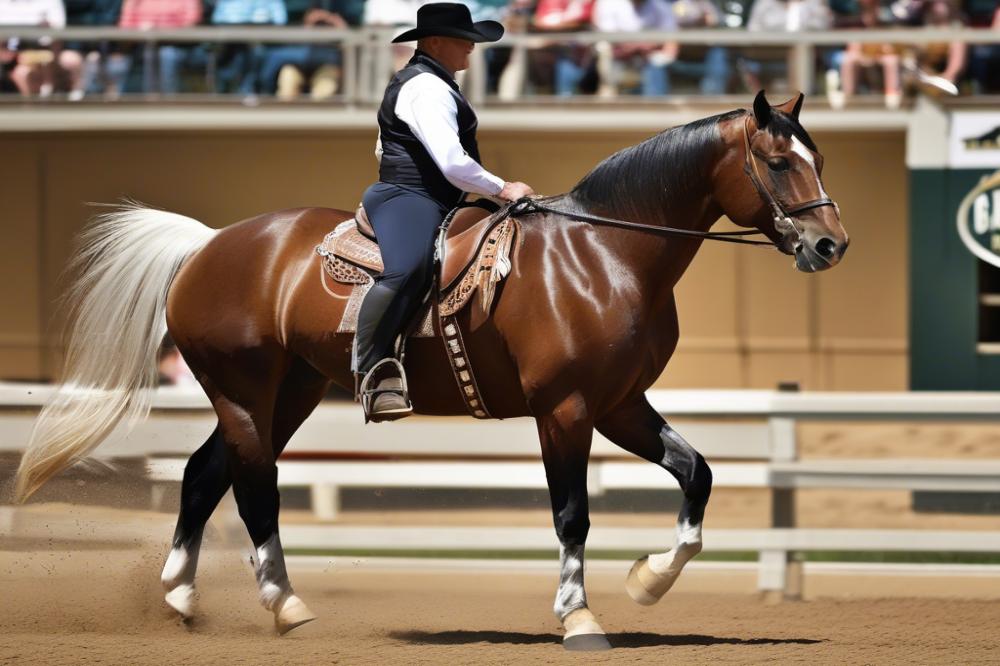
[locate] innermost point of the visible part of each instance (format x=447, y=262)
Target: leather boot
x=384, y=394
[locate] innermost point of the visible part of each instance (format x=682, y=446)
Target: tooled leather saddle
x=472, y=256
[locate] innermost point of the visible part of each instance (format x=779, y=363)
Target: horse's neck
x=660, y=261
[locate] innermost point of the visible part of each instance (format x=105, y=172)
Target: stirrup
x=372, y=387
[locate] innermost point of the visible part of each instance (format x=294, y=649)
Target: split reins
x=782, y=217
x=527, y=205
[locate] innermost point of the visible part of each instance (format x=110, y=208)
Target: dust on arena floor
x=79, y=603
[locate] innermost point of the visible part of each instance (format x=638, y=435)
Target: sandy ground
x=83, y=587
x=105, y=607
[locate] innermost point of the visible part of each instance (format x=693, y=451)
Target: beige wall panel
x=865, y=298
x=867, y=372
x=695, y=369
x=765, y=370
x=20, y=270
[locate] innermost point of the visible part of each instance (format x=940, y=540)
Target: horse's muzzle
x=817, y=253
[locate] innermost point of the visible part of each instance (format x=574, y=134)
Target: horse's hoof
x=645, y=586
x=583, y=633
x=181, y=599
x=587, y=643
x=292, y=613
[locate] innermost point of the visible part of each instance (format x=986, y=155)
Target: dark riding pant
x=406, y=222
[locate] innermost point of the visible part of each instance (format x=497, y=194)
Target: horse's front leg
x=637, y=427
x=565, y=436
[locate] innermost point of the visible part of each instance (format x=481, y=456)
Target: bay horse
x=583, y=325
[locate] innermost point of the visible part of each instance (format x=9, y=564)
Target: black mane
x=641, y=182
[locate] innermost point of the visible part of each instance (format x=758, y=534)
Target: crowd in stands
x=109, y=68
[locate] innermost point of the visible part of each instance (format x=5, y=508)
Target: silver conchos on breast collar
x=782, y=217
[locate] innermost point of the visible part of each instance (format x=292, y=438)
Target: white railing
x=749, y=438
x=368, y=61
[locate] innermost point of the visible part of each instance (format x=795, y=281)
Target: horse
x=584, y=323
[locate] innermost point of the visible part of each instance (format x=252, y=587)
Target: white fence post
x=325, y=499
x=780, y=576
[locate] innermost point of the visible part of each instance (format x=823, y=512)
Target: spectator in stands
x=859, y=59
x=570, y=62
x=105, y=63
x=985, y=63
x=709, y=65
x=163, y=63
x=650, y=60
x=399, y=14
x=944, y=60
x=286, y=69
x=42, y=67
x=496, y=58
x=781, y=16
x=239, y=64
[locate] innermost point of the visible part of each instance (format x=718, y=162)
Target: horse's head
x=778, y=189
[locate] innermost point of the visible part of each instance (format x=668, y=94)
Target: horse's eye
x=777, y=164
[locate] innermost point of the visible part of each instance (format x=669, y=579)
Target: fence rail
x=749, y=437
x=368, y=60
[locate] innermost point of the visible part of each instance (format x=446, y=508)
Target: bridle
x=782, y=217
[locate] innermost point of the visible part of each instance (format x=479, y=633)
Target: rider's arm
x=426, y=105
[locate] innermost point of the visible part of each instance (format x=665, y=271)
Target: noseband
x=782, y=217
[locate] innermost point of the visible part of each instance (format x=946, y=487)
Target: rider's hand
x=514, y=191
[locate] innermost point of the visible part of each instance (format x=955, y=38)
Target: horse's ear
x=761, y=110
x=792, y=106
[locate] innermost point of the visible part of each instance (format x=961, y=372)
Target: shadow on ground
x=625, y=640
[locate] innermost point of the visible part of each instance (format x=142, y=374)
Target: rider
x=428, y=159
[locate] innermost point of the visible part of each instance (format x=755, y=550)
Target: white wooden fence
x=749, y=438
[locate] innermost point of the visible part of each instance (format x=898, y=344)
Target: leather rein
x=782, y=217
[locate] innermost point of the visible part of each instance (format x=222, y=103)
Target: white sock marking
x=175, y=571
x=571, y=593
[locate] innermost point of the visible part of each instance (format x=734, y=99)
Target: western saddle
x=473, y=256
x=473, y=252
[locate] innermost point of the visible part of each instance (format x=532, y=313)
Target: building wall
x=747, y=318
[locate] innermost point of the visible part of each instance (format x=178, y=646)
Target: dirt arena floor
x=94, y=606
x=79, y=584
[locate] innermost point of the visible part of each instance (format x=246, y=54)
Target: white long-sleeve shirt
x=426, y=104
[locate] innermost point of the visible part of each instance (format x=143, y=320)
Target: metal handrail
x=368, y=58
x=723, y=36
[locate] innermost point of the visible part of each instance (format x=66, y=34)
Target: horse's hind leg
x=638, y=428
x=565, y=436
x=206, y=480
x=247, y=435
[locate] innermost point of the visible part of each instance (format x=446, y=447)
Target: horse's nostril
x=825, y=248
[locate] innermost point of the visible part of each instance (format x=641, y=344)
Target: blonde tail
x=126, y=262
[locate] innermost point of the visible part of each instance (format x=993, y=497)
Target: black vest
x=405, y=161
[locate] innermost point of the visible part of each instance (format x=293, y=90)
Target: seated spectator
x=7, y=60
x=938, y=66
x=42, y=67
x=496, y=58
x=105, y=64
x=399, y=14
x=570, y=62
x=163, y=63
x=650, y=60
x=287, y=69
x=860, y=58
x=985, y=64
x=781, y=16
x=239, y=64
x=709, y=65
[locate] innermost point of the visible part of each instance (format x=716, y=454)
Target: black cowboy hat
x=450, y=19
